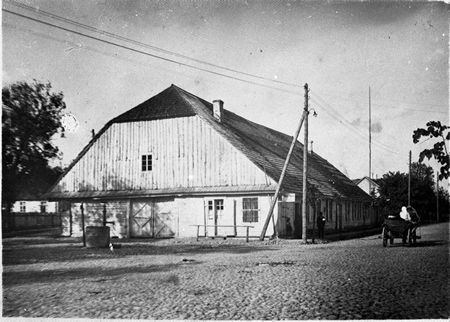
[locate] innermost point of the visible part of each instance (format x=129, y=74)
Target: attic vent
x=218, y=110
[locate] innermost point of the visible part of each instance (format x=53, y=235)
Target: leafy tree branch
x=439, y=151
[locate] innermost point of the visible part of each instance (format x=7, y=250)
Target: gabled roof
x=358, y=181
x=265, y=147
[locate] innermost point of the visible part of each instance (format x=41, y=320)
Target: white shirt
x=404, y=214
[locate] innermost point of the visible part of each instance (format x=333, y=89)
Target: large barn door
x=153, y=218
x=141, y=219
x=165, y=219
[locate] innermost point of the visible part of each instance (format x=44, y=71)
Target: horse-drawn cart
x=396, y=227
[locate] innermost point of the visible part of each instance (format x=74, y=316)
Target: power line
x=141, y=52
x=354, y=129
x=339, y=116
x=348, y=125
x=392, y=101
x=118, y=37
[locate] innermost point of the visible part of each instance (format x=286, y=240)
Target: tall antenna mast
x=370, y=144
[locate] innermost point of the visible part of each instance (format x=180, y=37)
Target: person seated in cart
x=404, y=214
x=413, y=216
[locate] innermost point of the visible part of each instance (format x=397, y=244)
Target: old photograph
x=225, y=160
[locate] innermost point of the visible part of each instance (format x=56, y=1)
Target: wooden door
x=286, y=219
x=153, y=218
x=141, y=221
x=218, y=212
x=164, y=218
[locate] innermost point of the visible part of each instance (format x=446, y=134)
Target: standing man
x=321, y=224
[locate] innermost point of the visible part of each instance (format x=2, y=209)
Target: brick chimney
x=218, y=110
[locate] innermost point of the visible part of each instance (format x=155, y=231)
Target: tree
x=439, y=151
x=31, y=116
x=393, y=189
x=422, y=190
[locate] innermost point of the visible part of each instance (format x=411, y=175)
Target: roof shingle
x=265, y=147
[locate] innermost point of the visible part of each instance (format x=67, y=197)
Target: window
x=147, y=162
x=250, y=209
x=43, y=206
x=210, y=205
x=23, y=207
x=219, y=204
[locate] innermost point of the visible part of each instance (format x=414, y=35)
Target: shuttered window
x=250, y=209
x=147, y=162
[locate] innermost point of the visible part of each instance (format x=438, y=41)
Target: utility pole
x=283, y=173
x=305, y=164
x=370, y=144
x=437, y=196
x=409, y=180
x=82, y=224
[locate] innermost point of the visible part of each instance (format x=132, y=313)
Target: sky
x=341, y=49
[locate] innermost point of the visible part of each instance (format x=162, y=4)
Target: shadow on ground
x=62, y=250
x=94, y=274
x=422, y=243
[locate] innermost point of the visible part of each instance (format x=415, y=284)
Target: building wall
x=34, y=206
x=364, y=185
x=341, y=215
x=185, y=214
x=93, y=216
x=186, y=152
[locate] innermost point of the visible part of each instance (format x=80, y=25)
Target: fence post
x=198, y=228
x=248, y=228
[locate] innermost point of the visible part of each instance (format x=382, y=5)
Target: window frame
x=146, y=162
x=251, y=213
x=218, y=203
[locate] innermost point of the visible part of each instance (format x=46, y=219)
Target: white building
x=368, y=185
x=176, y=161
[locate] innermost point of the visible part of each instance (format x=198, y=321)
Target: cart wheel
x=384, y=236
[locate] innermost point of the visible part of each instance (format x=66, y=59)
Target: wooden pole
x=104, y=214
x=234, y=217
x=283, y=172
x=409, y=180
x=305, y=166
x=437, y=196
x=370, y=144
x=314, y=223
x=82, y=224
x=275, y=230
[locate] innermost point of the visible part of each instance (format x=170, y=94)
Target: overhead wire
x=129, y=40
x=147, y=53
x=346, y=123
x=125, y=39
x=354, y=129
x=336, y=114
x=165, y=51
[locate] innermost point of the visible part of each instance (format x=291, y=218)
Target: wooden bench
x=223, y=226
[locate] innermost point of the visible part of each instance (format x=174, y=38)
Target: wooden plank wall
x=186, y=152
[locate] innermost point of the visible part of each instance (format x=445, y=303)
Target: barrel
x=97, y=236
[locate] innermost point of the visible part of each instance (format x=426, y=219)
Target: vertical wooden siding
x=186, y=152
